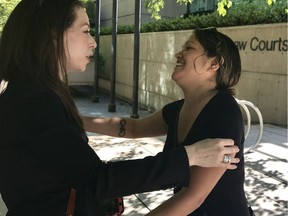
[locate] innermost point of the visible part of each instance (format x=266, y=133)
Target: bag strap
x=71, y=203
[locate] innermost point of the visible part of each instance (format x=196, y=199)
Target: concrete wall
x=263, y=50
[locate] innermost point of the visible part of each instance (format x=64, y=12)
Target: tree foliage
x=155, y=6
x=241, y=13
x=6, y=7
x=222, y=5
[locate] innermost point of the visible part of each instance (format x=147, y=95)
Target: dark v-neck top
x=220, y=118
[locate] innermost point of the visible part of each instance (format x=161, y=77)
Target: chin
x=77, y=70
x=173, y=76
x=81, y=69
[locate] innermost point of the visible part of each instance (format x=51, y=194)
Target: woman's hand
x=210, y=153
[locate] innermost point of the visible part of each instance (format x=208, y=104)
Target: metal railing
x=245, y=104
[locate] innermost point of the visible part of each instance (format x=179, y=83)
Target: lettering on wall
x=258, y=44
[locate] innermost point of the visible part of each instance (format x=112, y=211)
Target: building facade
x=126, y=12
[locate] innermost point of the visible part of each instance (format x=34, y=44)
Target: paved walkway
x=266, y=165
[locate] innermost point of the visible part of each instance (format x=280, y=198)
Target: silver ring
x=227, y=159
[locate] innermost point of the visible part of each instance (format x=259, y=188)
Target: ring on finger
x=227, y=159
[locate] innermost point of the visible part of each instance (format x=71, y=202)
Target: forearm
x=116, y=126
x=149, y=126
x=179, y=204
x=186, y=201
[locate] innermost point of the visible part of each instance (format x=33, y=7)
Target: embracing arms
x=152, y=125
x=206, y=153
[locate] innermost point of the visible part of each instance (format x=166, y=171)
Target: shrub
x=241, y=13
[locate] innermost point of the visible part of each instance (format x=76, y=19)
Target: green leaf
x=184, y=1
x=6, y=7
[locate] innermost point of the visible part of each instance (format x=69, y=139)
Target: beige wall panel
x=160, y=47
x=124, y=91
x=125, y=46
x=105, y=50
x=104, y=84
x=158, y=79
x=124, y=71
x=154, y=101
x=268, y=92
x=143, y=75
x=262, y=48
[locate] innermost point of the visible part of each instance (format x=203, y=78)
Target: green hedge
x=242, y=13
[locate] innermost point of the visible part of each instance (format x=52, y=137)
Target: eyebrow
x=84, y=24
x=187, y=42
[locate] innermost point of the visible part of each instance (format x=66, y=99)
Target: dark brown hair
x=219, y=45
x=32, y=46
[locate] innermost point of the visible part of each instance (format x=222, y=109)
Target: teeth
x=179, y=64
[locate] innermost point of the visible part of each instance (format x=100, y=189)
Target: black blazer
x=43, y=154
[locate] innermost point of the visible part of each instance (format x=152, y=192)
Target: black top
x=43, y=154
x=220, y=118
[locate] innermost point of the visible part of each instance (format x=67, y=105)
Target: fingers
x=230, y=166
x=227, y=145
x=210, y=153
x=227, y=159
x=230, y=161
x=235, y=160
x=230, y=150
x=225, y=142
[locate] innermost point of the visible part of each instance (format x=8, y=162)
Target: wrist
x=190, y=150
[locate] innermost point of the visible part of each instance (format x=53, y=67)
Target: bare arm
x=152, y=125
x=189, y=199
x=202, y=181
x=205, y=153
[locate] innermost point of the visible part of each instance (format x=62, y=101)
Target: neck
x=197, y=96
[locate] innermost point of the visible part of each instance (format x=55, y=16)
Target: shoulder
x=29, y=99
x=24, y=92
x=173, y=105
x=171, y=108
x=223, y=109
x=225, y=102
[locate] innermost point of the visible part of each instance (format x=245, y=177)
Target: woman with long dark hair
x=46, y=164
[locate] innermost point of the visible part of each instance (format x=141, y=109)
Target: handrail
x=244, y=104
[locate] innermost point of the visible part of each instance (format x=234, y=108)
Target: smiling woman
x=207, y=69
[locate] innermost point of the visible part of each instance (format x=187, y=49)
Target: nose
x=93, y=43
x=178, y=54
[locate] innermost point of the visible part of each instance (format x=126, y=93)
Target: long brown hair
x=32, y=46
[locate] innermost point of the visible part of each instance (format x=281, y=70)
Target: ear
x=215, y=65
